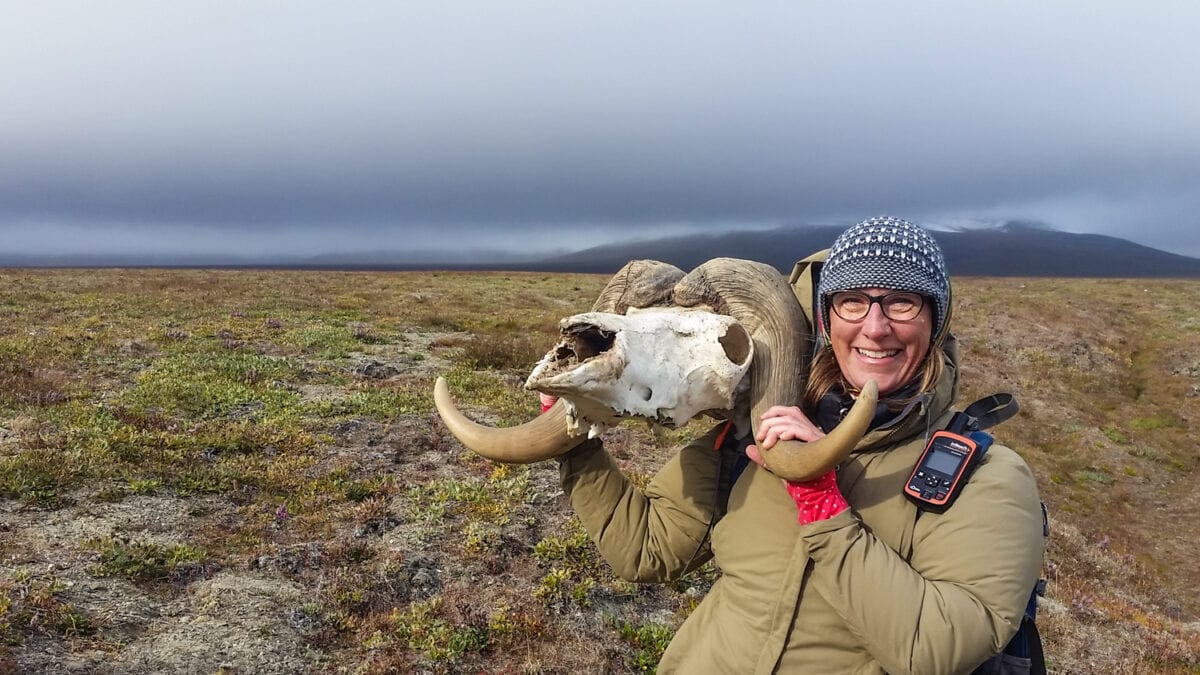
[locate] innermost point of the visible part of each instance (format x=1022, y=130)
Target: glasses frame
x=880, y=300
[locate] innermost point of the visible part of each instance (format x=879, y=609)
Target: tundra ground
x=240, y=471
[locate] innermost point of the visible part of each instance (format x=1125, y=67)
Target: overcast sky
x=307, y=127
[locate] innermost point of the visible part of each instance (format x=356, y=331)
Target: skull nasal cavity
x=592, y=341
x=737, y=343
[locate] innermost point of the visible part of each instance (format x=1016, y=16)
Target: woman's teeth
x=871, y=353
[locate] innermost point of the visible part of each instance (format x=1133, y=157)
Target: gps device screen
x=943, y=461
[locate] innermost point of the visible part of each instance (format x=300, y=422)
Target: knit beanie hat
x=886, y=252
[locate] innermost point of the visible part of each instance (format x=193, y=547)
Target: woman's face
x=878, y=348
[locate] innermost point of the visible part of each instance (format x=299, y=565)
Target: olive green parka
x=875, y=589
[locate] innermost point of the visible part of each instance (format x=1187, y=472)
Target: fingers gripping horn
x=541, y=438
x=798, y=461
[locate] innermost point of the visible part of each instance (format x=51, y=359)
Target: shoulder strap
x=724, y=445
x=1037, y=659
x=991, y=410
x=733, y=462
x=1033, y=639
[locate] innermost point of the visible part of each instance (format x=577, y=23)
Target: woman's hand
x=782, y=423
x=816, y=499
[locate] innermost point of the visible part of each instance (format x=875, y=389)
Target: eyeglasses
x=854, y=306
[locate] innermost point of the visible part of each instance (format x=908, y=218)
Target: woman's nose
x=875, y=322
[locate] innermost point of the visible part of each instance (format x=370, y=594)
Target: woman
x=840, y=574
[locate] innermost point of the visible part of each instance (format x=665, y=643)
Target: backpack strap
x=991, y=410
x=1037, y=659
x=1033, y=639
x=731, y=461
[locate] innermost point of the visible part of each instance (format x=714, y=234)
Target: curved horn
x=639, y=283
x=758, y=297
x=541, y=438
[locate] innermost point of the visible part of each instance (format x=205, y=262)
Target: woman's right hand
x=547, y=400
x=782, y=423
x=786, y=423
x=816, y=499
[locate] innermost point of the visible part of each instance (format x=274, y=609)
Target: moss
x=142, y=561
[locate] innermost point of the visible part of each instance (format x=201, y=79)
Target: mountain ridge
x=1012, y=248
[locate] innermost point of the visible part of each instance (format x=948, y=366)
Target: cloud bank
x=311, y=127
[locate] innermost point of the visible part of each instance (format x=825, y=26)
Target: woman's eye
x=852, y=304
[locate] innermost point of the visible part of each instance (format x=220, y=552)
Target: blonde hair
x=824, y=374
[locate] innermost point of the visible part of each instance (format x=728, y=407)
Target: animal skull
x=776, y=349
x=662, y=364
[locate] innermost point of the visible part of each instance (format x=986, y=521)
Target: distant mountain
x=1007, y=248
x=1013, y=248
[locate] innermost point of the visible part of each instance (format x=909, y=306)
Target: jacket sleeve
x=961, y=596
x=653, y=535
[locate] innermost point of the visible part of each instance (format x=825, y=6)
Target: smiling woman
x=837, y=573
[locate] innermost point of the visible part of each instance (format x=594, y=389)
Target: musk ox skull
x=662, y=364
x=764, y=307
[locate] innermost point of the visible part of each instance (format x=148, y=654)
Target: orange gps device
x=944, y=468
x=952, y=454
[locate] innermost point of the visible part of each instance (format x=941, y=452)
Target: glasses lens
x=901, y=306
x=851, y=306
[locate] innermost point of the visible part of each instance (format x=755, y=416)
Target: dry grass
x=166, y=436
x=1108, y=376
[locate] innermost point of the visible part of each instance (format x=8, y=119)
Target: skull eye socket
x=737, y=344
x=587, y=342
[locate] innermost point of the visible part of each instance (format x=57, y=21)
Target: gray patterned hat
x=886, y=252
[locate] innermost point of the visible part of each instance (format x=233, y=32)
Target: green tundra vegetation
x=214, y=470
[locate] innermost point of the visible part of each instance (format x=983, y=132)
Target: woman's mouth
x=876, y=354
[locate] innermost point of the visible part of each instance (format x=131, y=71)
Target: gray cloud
x=547, y=124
